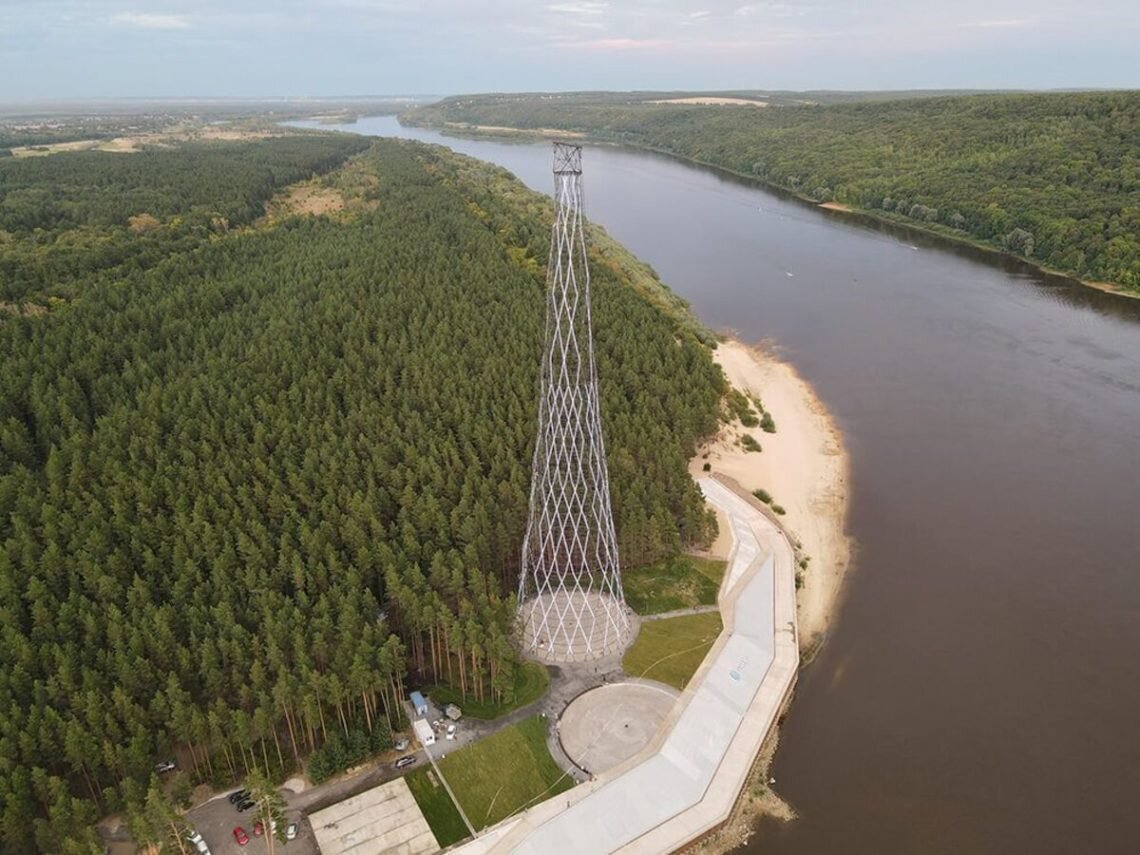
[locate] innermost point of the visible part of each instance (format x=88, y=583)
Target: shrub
x=739, y=407
x=750, y=443
x=763, y=495
x=767, y=423
x=779, y=509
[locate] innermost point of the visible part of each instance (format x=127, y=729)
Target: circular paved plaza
x=607, y=725
x=574, y=626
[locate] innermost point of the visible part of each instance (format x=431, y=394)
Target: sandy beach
x=803, y=465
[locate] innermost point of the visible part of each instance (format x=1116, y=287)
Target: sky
x=68, y=49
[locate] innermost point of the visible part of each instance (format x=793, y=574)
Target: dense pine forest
x=1051, y=177
x=62, y=218
x=257, y=478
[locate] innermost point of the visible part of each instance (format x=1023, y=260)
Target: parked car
x=165, y=766
x=244, y=805
x=199, y=844
x=238, y=796
x=291, y=831
x=405, y=761
x=451, y=731
x=240, y=836
x=259, y=827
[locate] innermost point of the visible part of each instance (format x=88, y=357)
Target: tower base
x=574, y=626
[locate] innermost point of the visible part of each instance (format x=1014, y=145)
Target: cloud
x=151, y=21
x=997, y=24
x=585, y=7
x=618, y=44
x=771, y=9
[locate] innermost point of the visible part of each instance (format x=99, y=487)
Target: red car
x=259, y=827
x=240, y=836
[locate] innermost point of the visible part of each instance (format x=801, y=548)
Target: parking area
x=216, y=819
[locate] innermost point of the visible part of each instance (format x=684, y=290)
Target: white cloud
x=999, y=23
x=151, y=21
x=586, y=7
x=770, y=9
x=620, y=44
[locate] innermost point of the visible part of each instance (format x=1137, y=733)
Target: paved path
x=691, y=610
x=686, y=782
x=451, y=792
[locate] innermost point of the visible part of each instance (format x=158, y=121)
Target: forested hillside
x=64, y=217
x=252, y=488
x=1052, y=177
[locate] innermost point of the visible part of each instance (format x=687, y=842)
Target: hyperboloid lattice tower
x=570, y=596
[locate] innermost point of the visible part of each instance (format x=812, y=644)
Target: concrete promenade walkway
x=685, y=783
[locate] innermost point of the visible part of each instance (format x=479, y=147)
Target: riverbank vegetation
x=1050, y=177
x=255, y=480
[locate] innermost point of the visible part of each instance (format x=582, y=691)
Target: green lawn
x=504, y=773
x=439, y=810
x=672, y=649
x=531, y=682
x=676, y=583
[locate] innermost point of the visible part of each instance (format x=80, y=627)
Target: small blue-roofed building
x=418, y=703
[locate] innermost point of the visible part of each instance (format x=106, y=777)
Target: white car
x=199, y=844
x=291, y=831
x=451, y=731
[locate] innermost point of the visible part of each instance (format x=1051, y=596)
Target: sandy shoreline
x=804, y=467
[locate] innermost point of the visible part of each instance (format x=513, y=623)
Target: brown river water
x=980, y=688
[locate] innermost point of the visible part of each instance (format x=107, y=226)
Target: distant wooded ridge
x=1052, y=177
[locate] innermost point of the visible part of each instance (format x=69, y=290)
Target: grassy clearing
x=679, y=582
x=504, y=773
x=531, y=682
x=672, y=649
x=439, y=810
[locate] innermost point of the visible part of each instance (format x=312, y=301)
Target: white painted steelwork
x=571, y=603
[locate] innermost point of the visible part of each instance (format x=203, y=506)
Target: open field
x=438, y=809
x=676, y=583
x=671, y=650
x=531, y=682
x=711, y=101
x=505, y=772
x=181, y=132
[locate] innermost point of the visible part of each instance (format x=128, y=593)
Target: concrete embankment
x=685, y=783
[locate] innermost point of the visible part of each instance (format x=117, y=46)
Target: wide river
x=980, y=689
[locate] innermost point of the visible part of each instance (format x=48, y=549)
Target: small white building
x=424, y=733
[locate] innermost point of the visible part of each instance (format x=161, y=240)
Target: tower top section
x=567, y=159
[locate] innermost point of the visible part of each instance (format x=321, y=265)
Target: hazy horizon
x=70, y=50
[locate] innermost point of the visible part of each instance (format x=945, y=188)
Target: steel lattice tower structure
x=570, y=597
